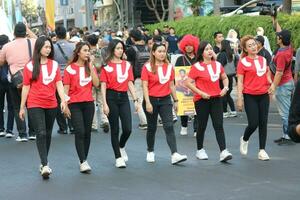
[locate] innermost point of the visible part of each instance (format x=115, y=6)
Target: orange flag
x=50, y=10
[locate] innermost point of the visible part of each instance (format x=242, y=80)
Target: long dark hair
x=75, y=56
x=36, y=58
x=111, y=49
x=201, y=48
x=225, y=47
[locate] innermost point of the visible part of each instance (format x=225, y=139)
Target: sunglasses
x=160, y=44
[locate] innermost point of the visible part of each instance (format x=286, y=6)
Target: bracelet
x=226, y=88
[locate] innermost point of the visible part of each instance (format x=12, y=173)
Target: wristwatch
x=226, y=88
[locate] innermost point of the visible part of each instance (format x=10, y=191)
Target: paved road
x=241, y=179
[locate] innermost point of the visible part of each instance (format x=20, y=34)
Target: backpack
x=141, y=57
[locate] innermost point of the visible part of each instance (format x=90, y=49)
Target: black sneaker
x=105, y=127
x=286, y=142
x=279, y=140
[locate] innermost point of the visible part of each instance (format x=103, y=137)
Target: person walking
x=79, y=78
x=206, y=74
x=41, y=81
x=158, y=87
x=116, y=79
x=254, y=80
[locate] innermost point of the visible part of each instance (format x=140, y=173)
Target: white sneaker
x=201, y=154
x=45, y=172
x=150, y=157
x=120, y=163
x=33, y=137
x=243, y=146
x=2, y=134
x=225, y=156
x=226, y=114
x=21, y=139
x=183, y=131
x=124, y=154
x=262, y=155
x=233, y=114
x=9, y=135
x=85, y=167
x=195, y=134
x=177, y=158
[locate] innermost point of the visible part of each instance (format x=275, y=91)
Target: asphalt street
x=243, y=178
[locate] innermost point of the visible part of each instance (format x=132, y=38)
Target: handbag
x=230, y=68
x=17, y=78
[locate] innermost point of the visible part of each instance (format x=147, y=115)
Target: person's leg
x=228, y=96
x=37, y=115
x=16, y=102
x=216, y=113
x=202, y=109
x=283, y=96
x=294, y=132
x=263, y=119
x=60, y=118
x=113, y=119
x=126, y=122
x=152, y=124
x=88, y=114
x=95, y=117
x=139, y=94
x=10, y=114
x=79, y=129
x=252, y=112
x=2, y=100
x=165, y=112
x=50, y=115
x=104, y=119
x=195, y=123
x=184, y=120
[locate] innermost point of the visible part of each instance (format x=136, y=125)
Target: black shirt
x=265, y=53
x=185, y=61
x=216, y=49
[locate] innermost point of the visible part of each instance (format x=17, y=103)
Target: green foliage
x=29, y=10
x=204, y=27
x=196, y=5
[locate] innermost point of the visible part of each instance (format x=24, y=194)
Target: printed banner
x=50, y=10
x=184, y=95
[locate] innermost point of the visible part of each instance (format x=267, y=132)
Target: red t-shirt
x=42, y=91
x=116, y=76
x=283, y=61
x=207, y=78
x=158, y=83
x=80, y=84
x=255, y=75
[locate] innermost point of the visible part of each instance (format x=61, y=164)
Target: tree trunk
x=287, y=6
x=171, y=10
x=217, y=7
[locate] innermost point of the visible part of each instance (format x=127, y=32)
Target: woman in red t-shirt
x=158, y=87
x=206, y=74
x=116, y=79
x=79, y=78
x=254, y=80
x=41, y=79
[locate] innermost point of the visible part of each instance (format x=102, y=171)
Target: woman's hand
x=149, y=108
x=137, y=106
x=175, y=105
x=63, y=106
x=240, y=104
x=105, y=109
x=22, y=114
x=204, y=95
x=223, y=92
x=67, y=112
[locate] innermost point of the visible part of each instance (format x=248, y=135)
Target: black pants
x=82, y=117
x=213, y=108
x=257, y=110
x=4, y=91
x=184, y=121
x=227, y=99
x=162, y=106
x=43, y=120
x=61, y=120
x=15, y=95
x=119, y=108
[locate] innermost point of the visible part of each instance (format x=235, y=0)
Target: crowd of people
x=86, y=80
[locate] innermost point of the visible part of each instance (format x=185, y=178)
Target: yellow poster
x=184, y=95
x=50, y=10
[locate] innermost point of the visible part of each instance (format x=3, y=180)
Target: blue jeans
x=283, y=96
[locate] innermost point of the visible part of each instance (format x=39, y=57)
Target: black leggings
x=119, y=107
x=162, y=106
x=184, y=121
x=212, y=107
x=42, y=122
x=227, y=99
x=257, y=109
x=82, y=114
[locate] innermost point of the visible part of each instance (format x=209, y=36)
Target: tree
x=217, y=7
x=196, y=5
x=29, y=10
x=152, y=5
x=287, y=6
x=171, y=10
